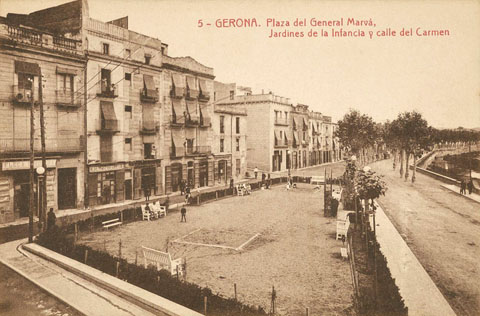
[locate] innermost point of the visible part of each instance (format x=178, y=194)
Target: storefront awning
x=314, y=129
x=295, y=121
x=204, y=110
x=108, y=111
x=149, y=86
x=192, y=87
x=148, y=117
x=27, y=68
x=192, y=108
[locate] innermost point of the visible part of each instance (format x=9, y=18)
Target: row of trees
x=406, y=136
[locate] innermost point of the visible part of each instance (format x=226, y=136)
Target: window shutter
x=158, y=180
x=229, y=169
x=120, y=185
x=137, y=184
x=92, y=189
x=168, y=180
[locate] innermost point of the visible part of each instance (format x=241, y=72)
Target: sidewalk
x=83, y=287
x=417, y=289
x=456, y=189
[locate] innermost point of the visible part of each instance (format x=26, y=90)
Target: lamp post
x=40, y=171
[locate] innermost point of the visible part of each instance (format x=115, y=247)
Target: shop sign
x=118, y=166
x=25, y=164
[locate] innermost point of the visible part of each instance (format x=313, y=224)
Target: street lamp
x=40, y=196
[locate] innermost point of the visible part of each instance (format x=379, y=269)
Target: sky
x=439, y=76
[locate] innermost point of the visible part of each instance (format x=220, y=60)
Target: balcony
x=177, y=93
x=108, y=91
x=145, y=97
x=281, y=144
x=177, y=120
x=177, y=152
x=198, y=150
x=281, y=121
x=203, y=97
x=192, y=121
x=53, y=145
x=149, y=129
x=107, y=126
x=67, y=98
x=205, y=121
x=25, y=35
x=23, y=96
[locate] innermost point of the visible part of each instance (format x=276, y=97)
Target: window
x=286, y=115
x=214, y=96
x=148, y=58
x=237, y=165
x=237, y=125
x=128, y=144
x=232, y=94
x=128, y=76
x=25, y=81
x=222, y=143
x=128, y=111
x=222, y=124
x=281, y=135
x=148, y=151
x=162, y=50
x=106, y=49
x=65, y=83
x=237, y=144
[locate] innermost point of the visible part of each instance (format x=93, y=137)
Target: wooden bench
x=145, y=214
x=159, y=210
x=111, y=223
x=162, y=260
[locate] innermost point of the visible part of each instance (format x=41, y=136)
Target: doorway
x=190, y=175
x=176, y=171
x=67, y=188
x=203, y=174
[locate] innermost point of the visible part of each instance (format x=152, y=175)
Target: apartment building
x=315, y=132
x=41, y=65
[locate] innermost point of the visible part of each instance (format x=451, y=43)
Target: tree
x=412, y=132
x=357, y=132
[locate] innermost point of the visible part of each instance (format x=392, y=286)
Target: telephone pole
x=32, y=159
x=43, y=186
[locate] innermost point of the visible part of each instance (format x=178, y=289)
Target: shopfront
x=15, y=188
x=106, y=183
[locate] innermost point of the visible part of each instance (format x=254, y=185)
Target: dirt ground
x=443, y=230
x=295, y=250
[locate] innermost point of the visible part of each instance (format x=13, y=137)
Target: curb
x=123, y=289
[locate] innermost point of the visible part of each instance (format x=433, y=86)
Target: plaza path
x=442, y=229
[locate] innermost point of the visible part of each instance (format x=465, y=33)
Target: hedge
x=160, y=282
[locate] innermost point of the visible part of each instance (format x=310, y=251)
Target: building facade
x=41, y=64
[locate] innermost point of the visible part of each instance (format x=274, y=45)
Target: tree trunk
x=414, y=171
x=407, y=167
x=402, y=152
x=394, y=159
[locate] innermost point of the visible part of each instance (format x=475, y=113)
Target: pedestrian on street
x=263, y=179
x=51, y=218
x=182, y=187
x=184, y=214
x=470, y=186
x=147, y=191
x=187, y=194
x=255, y=171
x=462, y=187
x=335, y=204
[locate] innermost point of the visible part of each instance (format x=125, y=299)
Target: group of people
x=290, y=183
x=266, y=181
x=464, y=185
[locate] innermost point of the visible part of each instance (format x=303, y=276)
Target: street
x=443, y=231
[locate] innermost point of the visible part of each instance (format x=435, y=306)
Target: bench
x=162, y=260
x=158, y=210
x=317, y=180
x=145, y=213
x=111, y=223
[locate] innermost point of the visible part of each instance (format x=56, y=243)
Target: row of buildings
x=122, y=115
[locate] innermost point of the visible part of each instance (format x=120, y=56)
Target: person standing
x=470, y=186
x=147, y=192
x=187, y=194
x=183, y=211
x=462, y=187
x=334, y=205
x=182, y=187
x=51, y=218
x=255, y=171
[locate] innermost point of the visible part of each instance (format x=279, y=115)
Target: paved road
x=443, y=231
